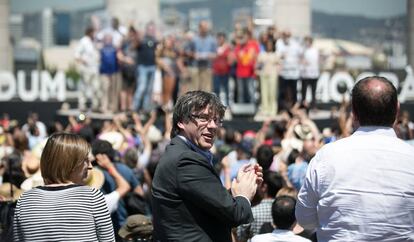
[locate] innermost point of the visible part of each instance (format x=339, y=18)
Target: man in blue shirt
x=110, y=80
x=204, y=52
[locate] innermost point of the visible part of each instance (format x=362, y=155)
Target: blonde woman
x=63, y=209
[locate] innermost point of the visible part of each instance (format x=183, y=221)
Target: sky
x=367, y=8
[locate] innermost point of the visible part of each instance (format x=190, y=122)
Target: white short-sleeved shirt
x=310, y=67
x=112, y=200
x=290, y=54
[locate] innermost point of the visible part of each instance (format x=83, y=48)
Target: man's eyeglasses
x=205, y=119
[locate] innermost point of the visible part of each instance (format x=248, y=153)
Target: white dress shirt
x=290, y=54
x=360, y=188
x=87, y=52
x=279, y=235
x=310, y=67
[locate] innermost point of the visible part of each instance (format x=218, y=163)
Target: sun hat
x=136, y=226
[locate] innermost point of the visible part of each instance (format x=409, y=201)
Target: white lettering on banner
x=8, y=84
x=337, y=78
x=322, y=87
x=53, y=88
x=41, y=86
x=24, y=94
x=327, y=86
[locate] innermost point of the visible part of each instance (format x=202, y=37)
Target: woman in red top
x=246, y=52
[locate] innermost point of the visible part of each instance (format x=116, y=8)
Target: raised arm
x=122, y=186
x=150, y=121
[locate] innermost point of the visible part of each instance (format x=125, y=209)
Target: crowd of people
x=128, y=69
x=181, y=173
x=124, y=153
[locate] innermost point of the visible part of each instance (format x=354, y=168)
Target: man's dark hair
x=264, y=156
x=103, y=147
x=292, y=156
x=131, y=157
x=192, y=103
x=221, y=34
x=115, y=23
x=87, y=133
x=274, y=182
x=247, y=31
x=283, y=212
x=375, y=106
x=33, y=130
x=14, y=173
x=34, y=116
x=89, y=31
x=309, y=38
x=246, y=147
x=279, y=128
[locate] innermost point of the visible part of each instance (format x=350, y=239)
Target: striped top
x=63, y=213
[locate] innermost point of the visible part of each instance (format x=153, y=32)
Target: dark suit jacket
x=189, y=200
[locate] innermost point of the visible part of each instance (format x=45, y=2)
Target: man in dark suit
x=189, y=200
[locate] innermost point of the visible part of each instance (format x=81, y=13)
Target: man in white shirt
x=290, y=52
x=116, y=31
x=310, y=71
x=283, y=214
x=360, y=188
x=87, y=57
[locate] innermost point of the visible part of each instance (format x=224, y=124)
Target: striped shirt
x=63, y=213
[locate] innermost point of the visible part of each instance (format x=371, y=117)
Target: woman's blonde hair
x=63, y=153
